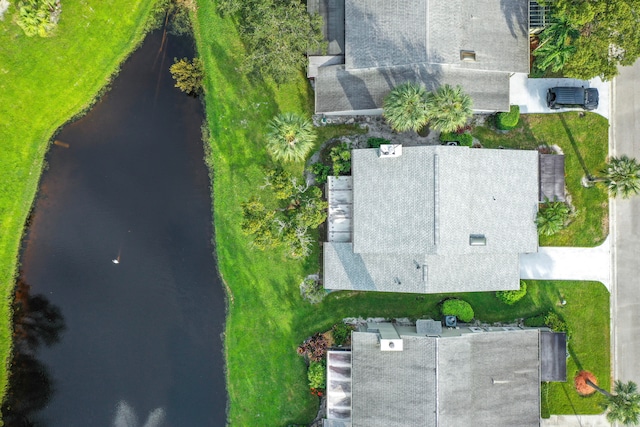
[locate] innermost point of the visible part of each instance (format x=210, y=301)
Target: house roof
x=383, y=33
x=479, y=379
x=553, y=356
x=340, y=90
x=417, y=273
x=431, y=199
x=552, y=177
x=389, y=42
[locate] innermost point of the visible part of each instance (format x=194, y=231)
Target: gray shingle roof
x=431, y=199
x=483, y=379
x=341, y=90
x=383, y=33
x=489, y=379
x=393, y=388
x=345, y=270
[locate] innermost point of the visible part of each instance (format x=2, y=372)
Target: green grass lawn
x=585, y=144
x=267, y=319
x=43, y=83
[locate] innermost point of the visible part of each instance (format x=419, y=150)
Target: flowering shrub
x=312, y=290
x=314, y=348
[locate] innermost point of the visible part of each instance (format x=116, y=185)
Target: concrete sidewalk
x=576, y=421
x=568, y=263
x=531, y=94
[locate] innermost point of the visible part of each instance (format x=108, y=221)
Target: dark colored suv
x=562, y=97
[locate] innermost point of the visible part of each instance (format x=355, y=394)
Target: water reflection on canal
x=134, y=343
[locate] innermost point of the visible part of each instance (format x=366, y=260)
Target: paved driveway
x=531, y=94
x=568, y=263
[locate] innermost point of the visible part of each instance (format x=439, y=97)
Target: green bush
x=312, y=290
x=317, y=375
x=459, y=308
x=321, y=171
x=377, y=142
x=512, y=297
x=341, y=157
x=555, y=323
x=464, y=139
x=507, y=121
x=552, y=217
x=535, y=321
x=341, y=333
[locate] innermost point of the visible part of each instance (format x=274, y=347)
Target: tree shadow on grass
x=574, y=145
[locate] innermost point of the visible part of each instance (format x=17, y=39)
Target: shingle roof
x=431, y=199
x=345, y=270
x=341, y=90
x=393, y=388
x=383, y=33
x=483, y=379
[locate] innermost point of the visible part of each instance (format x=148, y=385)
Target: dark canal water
x=134, y=344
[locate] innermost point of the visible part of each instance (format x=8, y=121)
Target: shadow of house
x=387, y=43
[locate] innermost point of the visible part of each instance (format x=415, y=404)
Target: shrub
x=535, y=321
x=314, y=348
x=552, y=217
x=459, y=308
x=38, y=17
x=312, y=290
x=188, y=74
x=317, y=375
x=341, y=333
x=512, y=297
x=465, y=139
x=321, y=171
x=341, y=157
x=377, y=142
x=555, y=323
x=507, y=121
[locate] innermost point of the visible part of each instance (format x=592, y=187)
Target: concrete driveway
x=531, y=94
x=569, y=263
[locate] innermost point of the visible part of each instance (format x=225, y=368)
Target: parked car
x=563, y=97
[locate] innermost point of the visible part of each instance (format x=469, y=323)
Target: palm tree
x=555, y=47
x=290, y=137
x=405, y=107
x=448, y=108
x=552, y=217
x=624, y=405
x=621, y=176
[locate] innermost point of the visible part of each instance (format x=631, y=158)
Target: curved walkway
x=568, y=263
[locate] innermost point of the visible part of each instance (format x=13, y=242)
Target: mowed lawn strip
x=45, y=82
x=267, y=318
x=584, y=140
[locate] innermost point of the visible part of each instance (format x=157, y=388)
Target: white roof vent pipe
x=390, y=150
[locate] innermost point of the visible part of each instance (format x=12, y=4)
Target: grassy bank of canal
x=43, y=83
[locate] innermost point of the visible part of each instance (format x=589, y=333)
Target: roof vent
x=477, y=240
x=391, y=345
x=390, y=150
x=468, y=55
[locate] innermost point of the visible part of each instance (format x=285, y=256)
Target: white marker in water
x=115, y=261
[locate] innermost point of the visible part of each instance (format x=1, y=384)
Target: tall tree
x=624, y=405
x=448, y=108
x=290, y=137
x=188, y=75
x=609, y=35
x=278, y=34
x=405, y=107
x=621, y=176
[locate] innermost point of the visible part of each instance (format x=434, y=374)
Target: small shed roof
x=553, y=356
x=552, y=177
